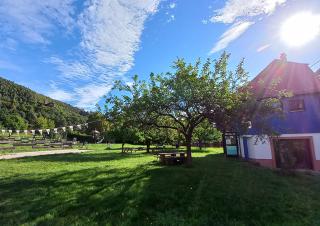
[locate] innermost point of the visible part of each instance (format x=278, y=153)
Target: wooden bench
x=40, y=141
x=22, y=144
x=68, y=144
x=5, y=142
x=55, y=145
x=172, y=158
x=7, y=148
x=126, y=150
x=25, y=141
x=38, y=146
x=133, y=149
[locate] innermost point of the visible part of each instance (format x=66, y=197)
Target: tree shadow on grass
x=215, y=191
x=92, y=196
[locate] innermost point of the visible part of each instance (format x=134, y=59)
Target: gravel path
x=39, y=153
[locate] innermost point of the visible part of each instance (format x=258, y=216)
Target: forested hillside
x=22, y=108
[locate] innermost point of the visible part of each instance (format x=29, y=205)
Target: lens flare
x=300, y=29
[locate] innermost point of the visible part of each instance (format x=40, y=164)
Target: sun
x=300, y=29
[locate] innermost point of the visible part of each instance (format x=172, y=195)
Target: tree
x=122, y=134
x=206, y=132
x=19, y=100
x=183, y=99
x=149, y=135
x=44, y=123
x=15, y=122
x=97, y=121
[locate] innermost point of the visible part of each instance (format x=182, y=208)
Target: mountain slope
x=18, y=102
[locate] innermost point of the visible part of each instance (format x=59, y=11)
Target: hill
x=22, y=108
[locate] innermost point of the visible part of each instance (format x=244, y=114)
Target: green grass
x=19, y=149
x=105, y=187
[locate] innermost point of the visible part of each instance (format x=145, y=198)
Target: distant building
x=298, y=146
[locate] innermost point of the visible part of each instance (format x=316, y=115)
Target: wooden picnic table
x=133, y=149
x=7, y=148
x=22, y=144
x=5, y=142
x=171, y=158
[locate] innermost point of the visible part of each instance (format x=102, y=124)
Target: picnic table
x=5, y=142
x=171, y=158
x=133, y=149
x=7, y=148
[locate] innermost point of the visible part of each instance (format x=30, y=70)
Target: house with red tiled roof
x=298, y=145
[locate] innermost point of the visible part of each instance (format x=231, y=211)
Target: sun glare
x=300, y=29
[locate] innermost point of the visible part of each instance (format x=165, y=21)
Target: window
x=296, y=105
x=277, y=104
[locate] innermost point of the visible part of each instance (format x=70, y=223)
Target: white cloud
x=263, y=47
x=33, y=20
x=235, y=31
x=204, y=21
x=171, y=18
x=239, y=9
x=89, y=94
x=110, y=36
x=241, y=13
x=170, y=15
x=109, y=33
x=172, y=5
x=111, y=30
x=59, y=94
x=8, y=44
x=71, y=70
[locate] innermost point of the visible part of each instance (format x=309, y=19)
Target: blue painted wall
x=307, y=121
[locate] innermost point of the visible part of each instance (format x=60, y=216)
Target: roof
x=282, y=75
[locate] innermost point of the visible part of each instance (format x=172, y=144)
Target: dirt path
x=39, y=153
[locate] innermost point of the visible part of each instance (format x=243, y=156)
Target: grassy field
x=77, y=146
x=105, y=187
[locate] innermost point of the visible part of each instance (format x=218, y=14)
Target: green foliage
x=42, y=122
x=157, y=136
x=14, y=122
x=30, y=106
x=97, y=122
x=205, y=132
x=122, y=134
x=81, y=137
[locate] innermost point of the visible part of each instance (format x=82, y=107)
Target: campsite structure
x=298, y=145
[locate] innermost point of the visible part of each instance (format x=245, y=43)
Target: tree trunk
x=200, y=145
x=148, y=146
x=189, y=155
x=122, y=148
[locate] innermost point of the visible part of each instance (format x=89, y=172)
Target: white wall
x=241, y=147
x=262, y=150
x=259, y=149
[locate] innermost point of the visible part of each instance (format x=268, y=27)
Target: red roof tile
x=279, y=75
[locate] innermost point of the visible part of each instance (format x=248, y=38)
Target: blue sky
x=73, y=50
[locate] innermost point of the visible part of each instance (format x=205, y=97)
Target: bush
x=80, y=137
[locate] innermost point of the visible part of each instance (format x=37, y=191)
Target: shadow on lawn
x=215, y=191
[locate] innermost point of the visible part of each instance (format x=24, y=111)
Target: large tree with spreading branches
x=192, y=93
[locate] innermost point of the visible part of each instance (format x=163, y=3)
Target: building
x=298, y=146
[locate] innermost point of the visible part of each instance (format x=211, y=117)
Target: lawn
x=105, y=187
